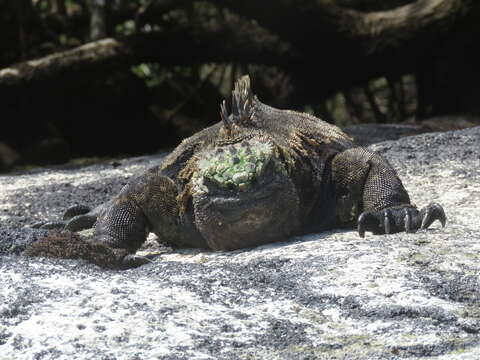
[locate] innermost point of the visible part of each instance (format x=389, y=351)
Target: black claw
x=433, y=212
x=441, y=215
x=386, y=221
x=81, y=222
x=75, y=210
x=57, y=225
x=361, y=225
x=427, y=218
x=37, y=225
x=132, y=261
x=408, y=221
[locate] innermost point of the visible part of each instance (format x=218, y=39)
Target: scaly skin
x=259, y=175
x=236, y=165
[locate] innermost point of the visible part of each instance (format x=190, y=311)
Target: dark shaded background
x=155, y=71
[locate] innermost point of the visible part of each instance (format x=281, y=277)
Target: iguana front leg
x=147, y=203
x=369, y=191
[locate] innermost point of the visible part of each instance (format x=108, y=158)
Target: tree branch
x=381, y=43
x=293, y=19
x=223, y=43
x=96, y=54
x=393, y=28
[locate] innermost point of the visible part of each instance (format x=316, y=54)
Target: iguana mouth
x=248, y=201
x=258, y=215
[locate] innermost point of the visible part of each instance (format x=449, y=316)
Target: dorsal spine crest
x=242, y=104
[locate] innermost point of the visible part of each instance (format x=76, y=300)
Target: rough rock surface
x=330, y=295
x=368, y=134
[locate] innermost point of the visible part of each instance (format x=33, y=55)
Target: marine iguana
x=259, y=175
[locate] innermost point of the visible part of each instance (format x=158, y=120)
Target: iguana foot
x=400, y=218
x=75, y=218
x=68, y=245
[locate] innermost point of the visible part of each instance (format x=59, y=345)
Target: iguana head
x=241, y=188
x=236, y=166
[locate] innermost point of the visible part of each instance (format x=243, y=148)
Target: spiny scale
x=242, y=104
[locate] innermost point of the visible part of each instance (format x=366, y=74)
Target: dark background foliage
x=83, y=78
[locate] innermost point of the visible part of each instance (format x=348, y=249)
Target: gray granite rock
x=371, y=133
x=329, y=295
